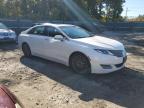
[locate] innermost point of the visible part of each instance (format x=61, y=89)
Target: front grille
x=5, y=34
x=117, y=53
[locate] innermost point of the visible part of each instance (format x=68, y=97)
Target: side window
x=40, y=30
x=52, y=31
x=31, y=31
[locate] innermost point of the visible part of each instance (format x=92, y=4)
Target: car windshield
x=2, y=26
x=75, y=32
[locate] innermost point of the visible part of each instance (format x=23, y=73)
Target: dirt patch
x=39, y=83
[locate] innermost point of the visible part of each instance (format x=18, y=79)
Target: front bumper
x=112, y=64
x=7, y=39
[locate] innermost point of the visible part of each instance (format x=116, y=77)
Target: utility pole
x=127, y=10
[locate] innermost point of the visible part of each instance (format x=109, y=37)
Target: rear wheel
x=26, y=50
x=80, y=63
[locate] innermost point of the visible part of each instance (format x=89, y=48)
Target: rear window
x=39, y=30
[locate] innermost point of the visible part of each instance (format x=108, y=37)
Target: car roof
x=56, y=25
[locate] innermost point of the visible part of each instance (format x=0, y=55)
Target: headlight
x=13, y=34
x=117, y=53
x=107, y=52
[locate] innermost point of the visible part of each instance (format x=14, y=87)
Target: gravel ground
x=39, y=83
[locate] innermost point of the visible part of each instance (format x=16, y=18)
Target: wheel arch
x=24, y=43
x=78, y=52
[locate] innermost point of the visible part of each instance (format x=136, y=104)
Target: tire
x=80, y=64
x=26, y=50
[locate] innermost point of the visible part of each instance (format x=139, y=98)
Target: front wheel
x=26, y=50
x=80, y=64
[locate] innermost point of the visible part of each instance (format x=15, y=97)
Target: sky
x=134, y=7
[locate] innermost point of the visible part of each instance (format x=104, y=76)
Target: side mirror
x=59, y=37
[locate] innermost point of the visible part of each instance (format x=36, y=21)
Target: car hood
x=101, y=42
x=6, y=31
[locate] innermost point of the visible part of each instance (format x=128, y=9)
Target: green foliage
x=104, y=10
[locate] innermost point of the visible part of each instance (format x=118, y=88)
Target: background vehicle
x=73, y=46
x=6, y=34
x=8, y=100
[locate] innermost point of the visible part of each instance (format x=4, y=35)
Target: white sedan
x=6, y=34
x=73, y=46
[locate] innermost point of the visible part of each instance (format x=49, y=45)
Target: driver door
x=57, y=49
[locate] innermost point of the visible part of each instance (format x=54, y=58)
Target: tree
x=114, y=9
x=2, y=8
x=12, y=8
x=109, y=9
x=103, y=10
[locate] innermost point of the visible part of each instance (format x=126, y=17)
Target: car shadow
x=8, y=46
x=124, y=87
